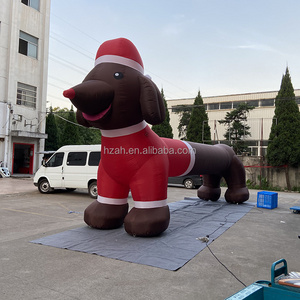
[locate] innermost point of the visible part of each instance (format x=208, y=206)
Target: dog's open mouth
x=97, y=116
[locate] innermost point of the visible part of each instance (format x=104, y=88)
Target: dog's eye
x=118, y=75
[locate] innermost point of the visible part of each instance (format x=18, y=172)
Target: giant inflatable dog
x=117, y=98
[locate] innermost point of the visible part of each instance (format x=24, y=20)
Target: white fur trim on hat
x=119, y=60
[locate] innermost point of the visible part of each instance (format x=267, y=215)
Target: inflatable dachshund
x=117, y=98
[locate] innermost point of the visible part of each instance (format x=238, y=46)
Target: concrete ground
x=31, y=271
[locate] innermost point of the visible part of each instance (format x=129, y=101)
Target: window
x=32, y=3
x=252, y=143
x=263, y=151
x=28, y=45
x=253, y=103
x=94, y=158
x=254, y=151
x=76, y=158
x=237, y=103
x=225, y=105
x=213, y=106
x=26, y=95
x=56, y=160
x=267, y=102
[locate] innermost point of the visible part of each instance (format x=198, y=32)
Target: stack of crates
x=267, y=200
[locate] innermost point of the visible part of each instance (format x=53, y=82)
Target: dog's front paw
x=209, y=193
x=105, y=216
x=147, y=222
x=237, y=195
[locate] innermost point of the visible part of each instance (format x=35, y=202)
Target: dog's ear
x=81, y=120
x=152, y=104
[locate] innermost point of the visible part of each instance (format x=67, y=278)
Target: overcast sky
x=219, y=47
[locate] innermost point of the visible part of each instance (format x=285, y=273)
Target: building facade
x=24, y=47
x=260, y=118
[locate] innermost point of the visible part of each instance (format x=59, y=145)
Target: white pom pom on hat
x=120, y=51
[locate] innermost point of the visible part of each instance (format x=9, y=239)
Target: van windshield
x=56, y=160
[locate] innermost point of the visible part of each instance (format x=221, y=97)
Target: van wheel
x=93, y=192
x=44, y=186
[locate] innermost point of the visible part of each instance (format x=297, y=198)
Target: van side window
x=56, y=160
x=94, y=158
x=76, y=159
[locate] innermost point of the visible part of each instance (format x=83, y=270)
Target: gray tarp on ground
x=190, y=218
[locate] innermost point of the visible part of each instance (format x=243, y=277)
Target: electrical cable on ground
x=206, y=240
x=225, y=266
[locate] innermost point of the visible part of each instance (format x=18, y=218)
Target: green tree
x=89, y=136
x=70, y=135
x=184, y=115
x=284, y=139
x=61, y=114
x=237, y=129
x=86, y=136
x=198, y=129
x=164, y=129
x=52, y=142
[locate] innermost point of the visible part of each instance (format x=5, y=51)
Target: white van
x=70, y=167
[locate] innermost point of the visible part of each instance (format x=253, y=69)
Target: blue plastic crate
x=267, y=200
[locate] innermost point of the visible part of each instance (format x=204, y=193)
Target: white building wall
x=22, y=124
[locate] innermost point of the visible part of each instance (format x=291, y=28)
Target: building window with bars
x=28, y=45
x=26, y=95
x=32, y=3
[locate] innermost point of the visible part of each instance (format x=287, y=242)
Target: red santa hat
x=120, y=51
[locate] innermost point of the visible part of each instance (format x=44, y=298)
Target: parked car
x=4, y=172
x=188, y=181
x=70, y=167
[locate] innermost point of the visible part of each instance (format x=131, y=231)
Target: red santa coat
x=135, y=158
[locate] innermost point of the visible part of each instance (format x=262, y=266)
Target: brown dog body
x=118, y=99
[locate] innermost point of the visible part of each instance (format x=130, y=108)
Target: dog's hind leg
x=210, y=190
x=235, y=177
x=210, y=162
x=215, y=162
